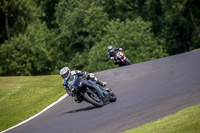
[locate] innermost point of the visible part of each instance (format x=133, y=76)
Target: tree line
x=38, y=37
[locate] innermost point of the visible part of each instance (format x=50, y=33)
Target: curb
x=32, y=117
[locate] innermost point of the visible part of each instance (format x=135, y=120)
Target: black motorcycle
x=91, y=92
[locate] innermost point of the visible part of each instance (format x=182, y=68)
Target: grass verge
x=196, y=49
x=185, y=121
x=22, y=97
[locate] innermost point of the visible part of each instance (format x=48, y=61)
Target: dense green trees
x=30, y=53
x=177, y=21
x=134, y=37
x=39, y=37
x=81, y=26
x=15, y=16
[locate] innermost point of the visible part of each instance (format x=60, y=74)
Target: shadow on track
x=81, y=109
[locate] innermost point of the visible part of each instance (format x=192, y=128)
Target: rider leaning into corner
x=112, y=54
x=66, y=74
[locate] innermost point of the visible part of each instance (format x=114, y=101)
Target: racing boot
x=102, y=83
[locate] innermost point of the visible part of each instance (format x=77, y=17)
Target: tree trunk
x=192, y=18
x=7, y=27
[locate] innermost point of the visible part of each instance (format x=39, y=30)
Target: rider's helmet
x=110, y=47
x=65, y=73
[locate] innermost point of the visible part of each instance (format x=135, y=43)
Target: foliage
x=76, y=33
x=134, y=37
x=48, y=8
x=79, y=61
x=30, y=53
x=176, y=21
x=15, y=16
x=81, y=25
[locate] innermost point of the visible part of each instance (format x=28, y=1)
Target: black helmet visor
x=66, y=74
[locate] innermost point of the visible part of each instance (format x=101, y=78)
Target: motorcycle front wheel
x=113, y=97
x=93, y=99
x=128, y=62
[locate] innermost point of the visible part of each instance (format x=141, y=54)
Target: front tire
x=113, y=97
x=93, y=99
x=128, y=62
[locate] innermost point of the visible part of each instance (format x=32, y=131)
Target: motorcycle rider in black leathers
x=66, y=73
x=112, y=54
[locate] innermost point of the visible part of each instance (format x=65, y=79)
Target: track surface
x=146, y=92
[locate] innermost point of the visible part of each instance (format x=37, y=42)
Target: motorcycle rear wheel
x=93, y=99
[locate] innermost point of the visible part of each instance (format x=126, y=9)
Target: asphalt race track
x=146, y=92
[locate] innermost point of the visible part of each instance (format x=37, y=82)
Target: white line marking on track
x=32, y=117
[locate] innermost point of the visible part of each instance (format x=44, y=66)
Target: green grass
x=196, y=49
x=22, y=97
x=185, y=121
